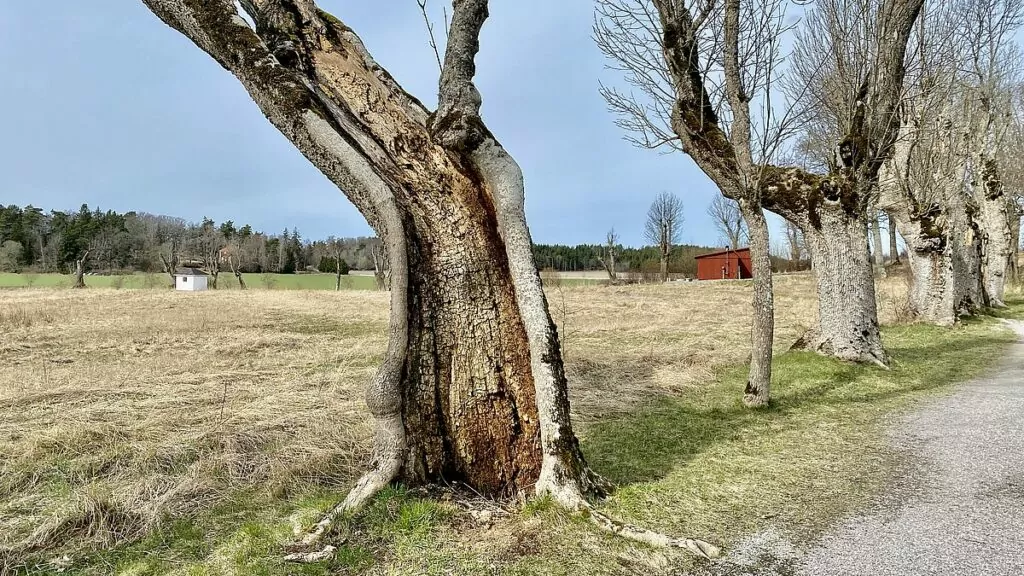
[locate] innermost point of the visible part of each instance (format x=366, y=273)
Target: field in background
x=202, y=428
x=357, y=280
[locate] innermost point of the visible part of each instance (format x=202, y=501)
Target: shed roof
x=189, y=272
x=720, y=252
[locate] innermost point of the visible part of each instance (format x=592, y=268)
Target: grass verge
x=693, y=463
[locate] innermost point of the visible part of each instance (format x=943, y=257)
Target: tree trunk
x=993, y=219
x=945, y=268
x=468, y=401
x=762, y=329
x=664, y=267
x=894, y=247
x=471, y=387
x=1015, y=221
x=80, y=271
x=878, y=253
x=847, y=311
x=337, y=278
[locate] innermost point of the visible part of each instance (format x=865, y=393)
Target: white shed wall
x=190, y=283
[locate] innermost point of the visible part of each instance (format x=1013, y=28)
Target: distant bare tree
x=795, y=242
x=336, y=248
x=232, y=254
x=664, y=227
x=608, y=257
x=80, y=271
x=894, y=247
x=728, y=220
x=381, y=266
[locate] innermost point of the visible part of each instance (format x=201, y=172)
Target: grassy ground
x=154, y=432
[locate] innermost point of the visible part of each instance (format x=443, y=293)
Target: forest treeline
x=32, y=239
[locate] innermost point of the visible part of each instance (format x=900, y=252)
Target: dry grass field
x=156, y=432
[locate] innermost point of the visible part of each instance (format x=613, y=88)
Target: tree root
x=650, y=537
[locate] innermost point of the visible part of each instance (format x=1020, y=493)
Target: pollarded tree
x=857, y=50
x=991, y=61
x=664, y=227
x=922, y=185
x=472, y=385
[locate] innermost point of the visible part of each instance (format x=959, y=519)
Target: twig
x=430, y=31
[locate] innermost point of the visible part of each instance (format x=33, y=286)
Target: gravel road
x=958, y=511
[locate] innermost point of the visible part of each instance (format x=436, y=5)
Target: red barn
x=725, y=264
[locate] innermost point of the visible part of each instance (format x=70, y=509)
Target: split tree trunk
x=762, y=329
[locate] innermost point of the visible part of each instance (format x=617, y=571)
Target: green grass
x=159, y=281
x=695, y=464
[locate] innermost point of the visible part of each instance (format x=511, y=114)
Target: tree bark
x=994, y=221
x=762, y=329
x=663, y=268
x=1015, y=222
x=847, y=314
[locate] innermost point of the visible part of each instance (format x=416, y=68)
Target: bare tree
x=336, y=248
x=381, y=267
x=80, y=271
x=992, y=62
x=664, y=227
x=951, y=220
x=894, y=247
x=468, y=311
x=795, y=242
x=848, y=66
x=611, y=246
x=725, y=215
x=232, y=255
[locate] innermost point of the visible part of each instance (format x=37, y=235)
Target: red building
x=725, y=264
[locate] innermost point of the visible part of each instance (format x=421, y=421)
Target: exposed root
x=652, y=538
x=570, y=496
x=311, y=557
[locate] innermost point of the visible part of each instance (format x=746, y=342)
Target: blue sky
x=105, y=105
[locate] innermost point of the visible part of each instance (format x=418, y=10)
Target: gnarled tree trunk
x=471, y=387
x=847, y=310
x=994, y=221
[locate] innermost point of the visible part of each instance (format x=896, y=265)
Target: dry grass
x=127, y=409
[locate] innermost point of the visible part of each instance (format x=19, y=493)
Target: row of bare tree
x=887, y=104
x=472, y=386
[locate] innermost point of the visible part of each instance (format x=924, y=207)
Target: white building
x=189, y=279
